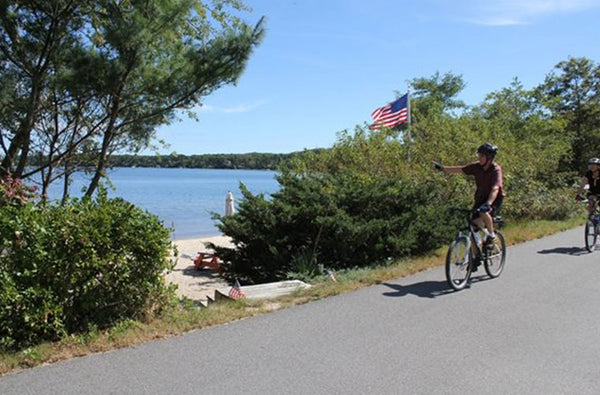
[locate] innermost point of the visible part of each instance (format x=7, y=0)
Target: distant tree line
x=253, y=160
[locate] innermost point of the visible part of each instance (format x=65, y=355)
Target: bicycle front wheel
x=458, y=263
x=495, y=256
x=591, y=235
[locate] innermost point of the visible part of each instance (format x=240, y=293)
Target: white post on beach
x=229, y=206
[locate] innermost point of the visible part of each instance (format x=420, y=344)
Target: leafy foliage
x=64, y=269
x=373, y=195
x=13, y=192
x=344, y=221
x=82, y=79
x=572, y=94
x=437, y=94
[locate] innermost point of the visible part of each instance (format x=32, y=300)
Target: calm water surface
x=183, y=198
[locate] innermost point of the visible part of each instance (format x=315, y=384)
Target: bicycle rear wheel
x=591, y=235
x=458, y=263
x=495, y=257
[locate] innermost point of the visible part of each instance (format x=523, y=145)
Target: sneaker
x=489, y=241
x=476, y=264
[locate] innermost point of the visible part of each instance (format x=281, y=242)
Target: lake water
x=183, y=198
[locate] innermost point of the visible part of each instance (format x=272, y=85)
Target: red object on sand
x=207, y=260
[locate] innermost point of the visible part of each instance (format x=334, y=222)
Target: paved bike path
x=536, y=329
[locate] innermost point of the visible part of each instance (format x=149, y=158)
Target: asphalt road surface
x=534, y=330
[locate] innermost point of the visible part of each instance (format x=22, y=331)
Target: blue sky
x=325, y=65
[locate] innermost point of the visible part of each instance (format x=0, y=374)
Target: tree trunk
x=65, y=194
x=108, y=136
x=100, y=166
x=23, y=135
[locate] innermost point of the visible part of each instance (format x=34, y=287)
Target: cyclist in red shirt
x=489, y=193
x=591, y=178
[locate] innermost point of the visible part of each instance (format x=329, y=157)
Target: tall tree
x=118, y=69
x=161, y=57
x=513, y=119
x=437, y=94
x=32, y=36
x=572, y=93
x=512, y=105
x=434, y=99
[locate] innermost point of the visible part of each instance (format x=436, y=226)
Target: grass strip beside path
x=185, y=317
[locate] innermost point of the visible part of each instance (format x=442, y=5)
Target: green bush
x=90, y=263
x=364, y=201
x=344, y=221
x=531, y=199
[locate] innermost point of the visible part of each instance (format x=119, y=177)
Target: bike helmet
x=487, y=149
x=594, y=161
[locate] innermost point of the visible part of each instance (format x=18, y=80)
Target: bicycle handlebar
x=466, y=211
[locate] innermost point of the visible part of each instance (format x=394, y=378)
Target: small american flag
x=391, y=114
x=236, y=291
x=330, y=276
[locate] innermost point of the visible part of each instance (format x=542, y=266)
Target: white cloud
x=519, y=12
x=496, y=21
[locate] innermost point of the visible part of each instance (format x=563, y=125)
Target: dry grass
x=186, y=317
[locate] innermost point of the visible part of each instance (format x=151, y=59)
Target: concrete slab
x=265, y=291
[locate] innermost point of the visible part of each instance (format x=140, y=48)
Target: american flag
x=330, y=276
x=236, y=291
x=391, y=114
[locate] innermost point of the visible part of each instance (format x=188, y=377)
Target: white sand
x=196, y=284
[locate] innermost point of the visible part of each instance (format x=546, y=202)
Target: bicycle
x=468, y=250
x=592, y=228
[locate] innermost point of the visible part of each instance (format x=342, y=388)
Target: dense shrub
x=374, y=196
x=341, y=222
x=90, y=263
x=530, y=199
x=367, y=200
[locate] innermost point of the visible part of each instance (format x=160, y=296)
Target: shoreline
x=201, y=242
x=206, y=236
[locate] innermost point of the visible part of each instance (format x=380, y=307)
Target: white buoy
x=229, y=206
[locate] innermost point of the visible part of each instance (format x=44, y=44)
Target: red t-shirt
x=485, y=180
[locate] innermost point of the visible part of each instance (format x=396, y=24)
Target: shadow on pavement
x=427, y=289
x=575, y=251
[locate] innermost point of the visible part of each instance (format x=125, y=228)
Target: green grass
x=184, y=316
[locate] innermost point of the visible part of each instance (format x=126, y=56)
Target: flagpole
x=409, y=126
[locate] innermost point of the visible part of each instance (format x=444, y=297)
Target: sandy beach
x=195, y=284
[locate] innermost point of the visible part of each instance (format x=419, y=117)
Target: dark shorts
x=495, y=207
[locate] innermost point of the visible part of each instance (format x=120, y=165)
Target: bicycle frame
x=472, y=229
x=593, y=223
x=595, y=209
x=594, y=216
x=466, y=253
